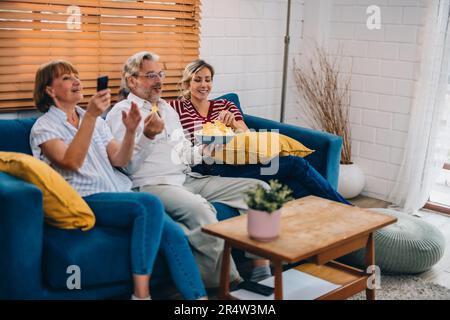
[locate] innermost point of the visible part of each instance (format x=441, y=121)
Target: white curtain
x=428, y=142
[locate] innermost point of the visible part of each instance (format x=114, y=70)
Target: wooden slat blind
x=33, y=32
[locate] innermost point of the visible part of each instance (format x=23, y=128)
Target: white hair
x=132, y=66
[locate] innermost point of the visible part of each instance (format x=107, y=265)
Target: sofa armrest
x=21, y=238
x=327, y=146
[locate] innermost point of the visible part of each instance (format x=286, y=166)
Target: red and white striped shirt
x=192, y=120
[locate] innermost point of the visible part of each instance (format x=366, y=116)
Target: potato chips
x=155, y=108
x=216, y=128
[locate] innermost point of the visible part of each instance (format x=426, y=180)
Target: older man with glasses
x=161, y=166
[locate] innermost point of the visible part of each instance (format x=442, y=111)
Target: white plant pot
x=351, y=180
x=263, y=226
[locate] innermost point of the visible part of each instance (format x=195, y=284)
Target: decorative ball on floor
x=409, y=246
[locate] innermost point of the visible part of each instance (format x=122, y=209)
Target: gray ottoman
x=409, y=246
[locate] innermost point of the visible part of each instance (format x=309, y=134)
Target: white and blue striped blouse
x=96, y=175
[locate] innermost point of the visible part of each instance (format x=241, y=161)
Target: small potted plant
x=263, y=215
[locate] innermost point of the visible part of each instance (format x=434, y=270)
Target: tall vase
x=351, y=180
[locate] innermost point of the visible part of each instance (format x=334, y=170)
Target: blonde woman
x=195, y=109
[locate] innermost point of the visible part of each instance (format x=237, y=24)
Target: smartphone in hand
x=102, y=83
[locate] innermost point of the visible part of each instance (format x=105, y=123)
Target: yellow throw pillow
x=63, y=206
x=259, y=147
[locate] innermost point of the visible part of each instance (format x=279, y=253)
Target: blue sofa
x=34, y=257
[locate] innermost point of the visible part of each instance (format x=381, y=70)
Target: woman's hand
x=99, y=103
x=227, y=118
x=132, y=118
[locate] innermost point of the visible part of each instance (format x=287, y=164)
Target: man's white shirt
x=164, y=160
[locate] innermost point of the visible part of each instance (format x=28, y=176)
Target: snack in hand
x=155, y=108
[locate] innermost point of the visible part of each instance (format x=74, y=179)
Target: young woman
x=195, y=109
x=79, y=145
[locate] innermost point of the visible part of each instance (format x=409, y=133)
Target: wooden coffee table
x=312, y=229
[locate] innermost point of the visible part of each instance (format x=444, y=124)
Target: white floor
x=440, y=273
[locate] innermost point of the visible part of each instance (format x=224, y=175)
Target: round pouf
x=408, y=246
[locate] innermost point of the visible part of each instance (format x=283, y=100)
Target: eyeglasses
x=152, y=75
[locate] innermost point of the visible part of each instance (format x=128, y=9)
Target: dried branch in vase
x=326, y=98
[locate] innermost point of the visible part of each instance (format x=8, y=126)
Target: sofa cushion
x=102, y=254
x=16, y=135
x=224, y=211
x=63, y=206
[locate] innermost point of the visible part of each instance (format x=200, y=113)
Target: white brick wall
x=385, y=64
x=244, y=41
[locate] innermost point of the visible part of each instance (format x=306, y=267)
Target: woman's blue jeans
x=151, y=230
x=295, y=172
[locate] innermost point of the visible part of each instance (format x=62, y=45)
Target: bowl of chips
x=214, y=132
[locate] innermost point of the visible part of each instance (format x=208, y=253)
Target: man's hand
x=211, y=149
x=153, y=125
x=99, y=103
x=132, y=118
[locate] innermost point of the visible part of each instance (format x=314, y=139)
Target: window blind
x=96, y=36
